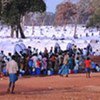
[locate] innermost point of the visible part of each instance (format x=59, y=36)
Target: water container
x=49, y=72
x=75, y=71
x=38, y=71
x=44, y=72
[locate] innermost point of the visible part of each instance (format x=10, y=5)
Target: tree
x=0, y=8
x=84, y=10
x=14, y=10
x=94, y=20
x=65, y=12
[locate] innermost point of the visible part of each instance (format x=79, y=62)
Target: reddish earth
x=74, y=87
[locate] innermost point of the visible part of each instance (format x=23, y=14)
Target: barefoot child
x=87, y=67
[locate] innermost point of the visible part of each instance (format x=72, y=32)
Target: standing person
x=64, y=71
x=89, y=49
x=53, y=60
x=12, y=69
x=57, y=48
x=87, y=67
x=1, y=65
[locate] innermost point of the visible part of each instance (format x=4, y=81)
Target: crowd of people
x=55, y=61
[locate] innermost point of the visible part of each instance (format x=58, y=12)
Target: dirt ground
x=74, y=87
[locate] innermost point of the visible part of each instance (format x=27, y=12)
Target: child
x=87, y=67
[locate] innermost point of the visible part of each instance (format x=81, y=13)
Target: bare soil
x=74, y=87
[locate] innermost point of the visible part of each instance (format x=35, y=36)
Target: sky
x=51, y=4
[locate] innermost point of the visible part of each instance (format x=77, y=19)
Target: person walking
x=12, y=69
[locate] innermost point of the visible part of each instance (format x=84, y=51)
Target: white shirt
x=12, y=67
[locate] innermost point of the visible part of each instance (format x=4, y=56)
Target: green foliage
x=0, y=5
x=12, y=11
x=95, y=19
x=10, y=15
x=15, y=9
x=37, y=6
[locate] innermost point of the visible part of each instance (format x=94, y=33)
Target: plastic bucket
x=38, y=71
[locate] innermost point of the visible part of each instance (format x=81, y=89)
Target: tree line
x=13, y=11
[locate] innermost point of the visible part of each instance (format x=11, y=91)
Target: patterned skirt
x=64, y=70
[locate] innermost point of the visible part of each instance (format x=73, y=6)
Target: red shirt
x=38, y=63
x=87, y=63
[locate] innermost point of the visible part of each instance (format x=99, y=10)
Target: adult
x=12, y=69
x=89, y=49
x=64, y=71
x=57, y=48
x=1, y=64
